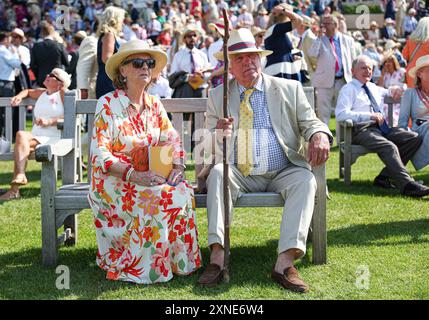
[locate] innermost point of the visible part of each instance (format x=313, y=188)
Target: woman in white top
x=48, y=110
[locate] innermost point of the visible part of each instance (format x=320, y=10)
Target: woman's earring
x=125, y=79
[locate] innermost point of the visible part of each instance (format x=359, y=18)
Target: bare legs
x=24, y=145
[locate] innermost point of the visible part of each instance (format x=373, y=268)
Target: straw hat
x=374, y=24
x=219, y=26
x=133, y=47
x=390, y=44
x=81, y=34
x=241, y=41
x=307, y=21
x=262, y=10
x=420, y=63
x=63, y=76
x=190, y=28
x=20, y=33
x=257, y=30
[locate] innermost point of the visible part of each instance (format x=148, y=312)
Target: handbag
x=4, y=145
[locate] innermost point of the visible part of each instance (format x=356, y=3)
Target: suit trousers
x=395, y=149
x=297, y=186
x=326, y=100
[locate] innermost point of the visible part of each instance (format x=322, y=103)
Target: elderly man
x=334, y=52
x=276, y=115
x=360, y=101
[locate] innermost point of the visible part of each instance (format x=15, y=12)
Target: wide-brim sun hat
x=242, y=41
x=133, y=47
x=307, y=21
x=420, y=63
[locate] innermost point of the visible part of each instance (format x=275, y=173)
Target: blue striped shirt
x=268, y=154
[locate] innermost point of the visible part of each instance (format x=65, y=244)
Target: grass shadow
x=23, y=277
x=379, y=234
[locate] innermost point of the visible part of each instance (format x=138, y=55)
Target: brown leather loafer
x=290, y=280
x=211, y=276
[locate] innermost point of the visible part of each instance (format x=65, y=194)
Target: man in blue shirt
x=9, y=61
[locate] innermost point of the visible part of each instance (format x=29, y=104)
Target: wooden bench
x=60, y=206
x=5, y=104
x=349, y=152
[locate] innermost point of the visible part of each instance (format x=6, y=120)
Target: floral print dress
x=144, y=234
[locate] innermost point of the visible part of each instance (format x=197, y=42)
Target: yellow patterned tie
x=245, y=137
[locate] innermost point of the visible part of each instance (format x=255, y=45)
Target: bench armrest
x=45, y=152
x=347, y=123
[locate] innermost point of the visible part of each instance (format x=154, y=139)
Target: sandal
x=20, y=180
x=10, y=195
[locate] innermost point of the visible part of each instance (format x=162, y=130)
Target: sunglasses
x=192, y=35
x=138, y=63
x=51, y=75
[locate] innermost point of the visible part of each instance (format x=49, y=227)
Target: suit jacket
x=45, y=56
x=87, y=67
x=324, y=76
x=292, y=117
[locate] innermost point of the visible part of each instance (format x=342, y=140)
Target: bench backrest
x=176, y=107
x=8, y=133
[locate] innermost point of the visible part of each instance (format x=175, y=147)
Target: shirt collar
x=258, y=86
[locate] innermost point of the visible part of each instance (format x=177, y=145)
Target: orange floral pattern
x=144, y=234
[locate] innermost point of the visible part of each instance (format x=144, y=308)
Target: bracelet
x=127, y=178
x=125, y=173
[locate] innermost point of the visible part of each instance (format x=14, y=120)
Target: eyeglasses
x=51, y=75
x=192, y=35
x=138, y=63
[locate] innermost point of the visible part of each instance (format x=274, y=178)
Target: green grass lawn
x=371, y=232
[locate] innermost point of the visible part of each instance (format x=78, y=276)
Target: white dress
x=48, y=107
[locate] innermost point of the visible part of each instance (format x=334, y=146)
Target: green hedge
x=351, y=8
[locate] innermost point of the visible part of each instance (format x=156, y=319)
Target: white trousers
x=297, y=185
x=326, y=100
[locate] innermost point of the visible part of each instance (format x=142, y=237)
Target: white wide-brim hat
x=241, y=41
x=190, y=28
x=420, y=63
x=133, y=47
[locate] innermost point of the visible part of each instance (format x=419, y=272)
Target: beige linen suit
x=293, y=120
x=323, y=78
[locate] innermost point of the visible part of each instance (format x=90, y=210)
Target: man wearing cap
x=276, y=114
x=306, y=38
x=245, y=19
x=334, y=52
x=360, y=101
x=218, y=29
x=154, y=28
x=189, y=67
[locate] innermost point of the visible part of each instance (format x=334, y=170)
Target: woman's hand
x=43, y=122
x=16, y=100
x=146, y=178
x=176, y=175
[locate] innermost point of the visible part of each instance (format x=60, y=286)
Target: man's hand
x=378, y=117
x=396, y=92
x=225, y=124
x=318, y=151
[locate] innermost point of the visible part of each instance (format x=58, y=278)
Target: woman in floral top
x=145, y=224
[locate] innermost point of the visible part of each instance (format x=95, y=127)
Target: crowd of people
x=129, y=54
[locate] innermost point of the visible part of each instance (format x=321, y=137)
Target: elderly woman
x=145, y=223
x=415, y=107
x=392, y=75
x=48, y=110
x=108, y=32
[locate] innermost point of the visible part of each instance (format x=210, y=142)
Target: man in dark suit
x=47, y=55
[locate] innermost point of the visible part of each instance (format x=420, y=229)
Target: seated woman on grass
x=48, y=110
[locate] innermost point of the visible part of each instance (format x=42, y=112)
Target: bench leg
x=49, y=229
x=319, y=238
x=71, y=222
x=341, y=168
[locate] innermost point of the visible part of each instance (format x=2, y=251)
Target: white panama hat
x=241, y=41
